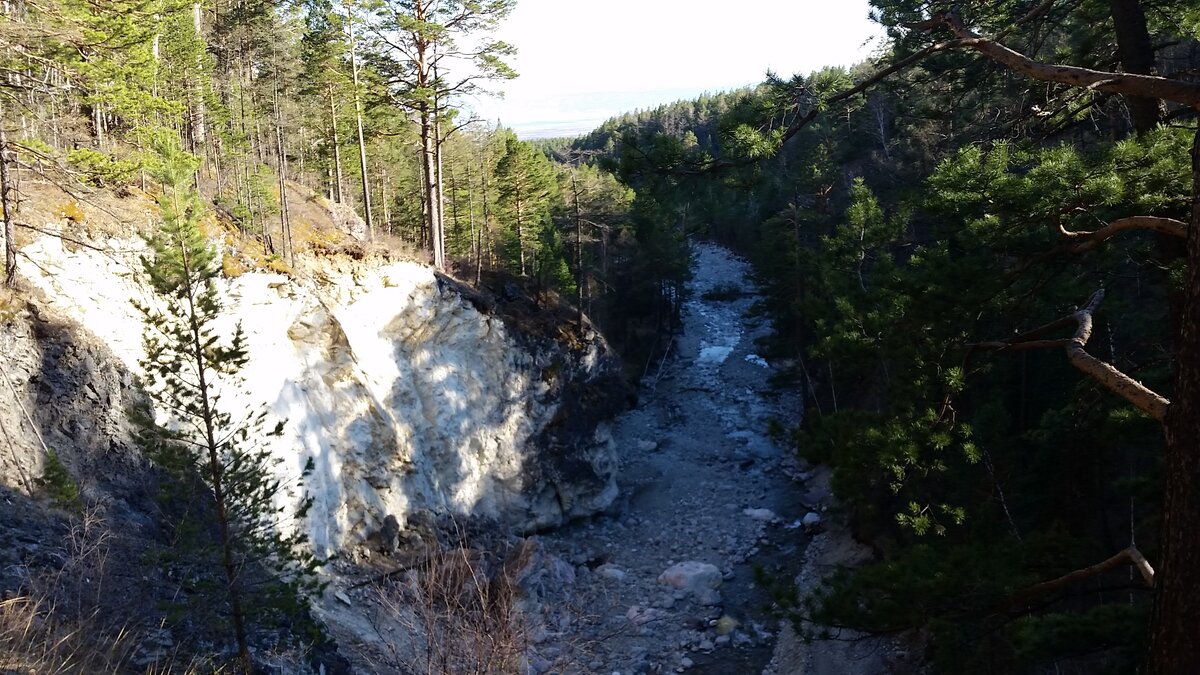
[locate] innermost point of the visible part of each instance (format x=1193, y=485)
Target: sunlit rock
x=404, y=390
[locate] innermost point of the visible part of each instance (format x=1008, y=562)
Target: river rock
x=765, y=515
x=811, y=521
x=611, y=572
x=699, y=579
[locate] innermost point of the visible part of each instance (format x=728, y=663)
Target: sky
x=583, y=61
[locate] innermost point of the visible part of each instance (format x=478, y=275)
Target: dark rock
x=389, y=535
x=325, y=658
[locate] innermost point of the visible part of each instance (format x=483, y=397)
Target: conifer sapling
x=266, y=571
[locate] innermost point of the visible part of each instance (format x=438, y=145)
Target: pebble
x=610, y=572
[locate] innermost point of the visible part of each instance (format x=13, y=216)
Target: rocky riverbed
x=666, y=583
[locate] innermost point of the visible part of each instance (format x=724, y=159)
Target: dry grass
x=79, y=211
x=33, y=640
x=57, y=624
x=314, y=233
x=11, y=304
x=459, y=614
x=71, y=212
x=58, y=205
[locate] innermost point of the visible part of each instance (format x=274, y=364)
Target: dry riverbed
x=666, y=583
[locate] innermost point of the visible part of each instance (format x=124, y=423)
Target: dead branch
x=1023, y=346
x=1133, y=84
x=1136, y=393
x=1129, y=556
x=1105, y=373
x=1090, y=240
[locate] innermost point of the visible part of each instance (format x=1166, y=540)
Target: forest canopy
x=978, y=254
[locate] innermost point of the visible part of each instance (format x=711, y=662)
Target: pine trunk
x=387, y=202
x=1137, y=56
x=1175, y=624
x=285, y=221
x=476, y=249
x=98, y=125
x=485, y=230
x=337, y=148
x=6, y=209
x=429, y=166
x=454, y=218
x=198, y=117
x=438, y=185
x=578, y=252
x=520, y=233
x=362, y=146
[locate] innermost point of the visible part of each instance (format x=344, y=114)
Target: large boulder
x=699, y=579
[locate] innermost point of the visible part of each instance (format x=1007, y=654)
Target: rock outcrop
x=407, y=390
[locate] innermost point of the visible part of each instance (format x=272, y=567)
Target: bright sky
x=583, y=61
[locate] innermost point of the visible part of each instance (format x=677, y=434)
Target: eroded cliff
x=409, y=391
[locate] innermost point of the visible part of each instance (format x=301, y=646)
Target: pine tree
x=425, y=41
x=527, y=190
x=266, y=572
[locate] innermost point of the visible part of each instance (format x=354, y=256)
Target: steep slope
x=404, y=394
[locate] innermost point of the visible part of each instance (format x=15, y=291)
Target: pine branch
x=1093, y=239
x=1143, y=398
x=1132, y=84
x=1129, y=556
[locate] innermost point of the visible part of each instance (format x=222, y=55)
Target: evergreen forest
x=979, y=251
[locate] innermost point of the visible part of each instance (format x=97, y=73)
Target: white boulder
x=699, y=579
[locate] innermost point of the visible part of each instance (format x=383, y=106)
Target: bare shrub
x=459, y=613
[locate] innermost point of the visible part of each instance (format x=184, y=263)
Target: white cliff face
x=403, y=394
